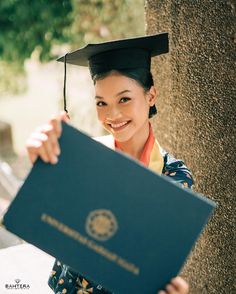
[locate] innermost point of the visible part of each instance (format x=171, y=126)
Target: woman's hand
x=176, y=286
x=43, y=142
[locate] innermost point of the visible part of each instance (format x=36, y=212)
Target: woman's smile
x=119, y=126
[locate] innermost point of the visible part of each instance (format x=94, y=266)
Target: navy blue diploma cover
x=107, y=216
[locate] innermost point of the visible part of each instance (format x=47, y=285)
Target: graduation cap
x=121, y=54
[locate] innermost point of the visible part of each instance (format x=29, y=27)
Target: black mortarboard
x=117, y=54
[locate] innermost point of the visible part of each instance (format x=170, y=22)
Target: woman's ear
x=152, y=95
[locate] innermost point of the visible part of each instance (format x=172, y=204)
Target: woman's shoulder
x=177, y=170
x=174, y=168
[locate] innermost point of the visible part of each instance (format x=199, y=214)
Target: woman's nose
x=113, y=113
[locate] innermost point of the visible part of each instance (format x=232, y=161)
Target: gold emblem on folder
x=101, y=224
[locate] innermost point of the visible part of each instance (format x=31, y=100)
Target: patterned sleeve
x=65, y=280
x=177, y=171
x=55, y=274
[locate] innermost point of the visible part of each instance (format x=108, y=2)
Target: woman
x=125, y=100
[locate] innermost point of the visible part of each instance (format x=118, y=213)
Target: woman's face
x=122, y=105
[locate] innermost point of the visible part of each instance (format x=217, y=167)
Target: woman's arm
x=179, y=173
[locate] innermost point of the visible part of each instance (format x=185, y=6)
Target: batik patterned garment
x=63, y=279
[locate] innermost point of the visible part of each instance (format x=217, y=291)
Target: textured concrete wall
x=196, y=121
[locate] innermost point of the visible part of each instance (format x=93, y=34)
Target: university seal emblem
x=101, y=224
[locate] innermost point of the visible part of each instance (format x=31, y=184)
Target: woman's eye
x=100, y=103
x=124, y=99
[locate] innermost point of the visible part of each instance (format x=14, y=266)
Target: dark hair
x=140, y=75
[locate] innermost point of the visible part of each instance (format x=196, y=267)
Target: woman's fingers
x=56, y=124
x=51, y=143
x=35, y=148
x=177, y=286
x=55, y=145
x=64, y=116
x=44, y=141
x=49, y=140
x=181, y=285
x=49, y=148
x=31, y=152
x=172, y=290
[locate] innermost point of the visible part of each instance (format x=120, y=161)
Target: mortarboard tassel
x=64, y=88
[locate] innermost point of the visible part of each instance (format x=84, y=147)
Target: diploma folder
x=107, y=216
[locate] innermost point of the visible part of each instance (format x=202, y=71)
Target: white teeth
x=118, y=125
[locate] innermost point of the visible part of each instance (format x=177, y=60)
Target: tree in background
x=37, y=27
x=28, y=26
x=100, y=20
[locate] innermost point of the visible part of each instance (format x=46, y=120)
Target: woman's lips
x=119, y=126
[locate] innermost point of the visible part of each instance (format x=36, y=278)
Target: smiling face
x=123, y=105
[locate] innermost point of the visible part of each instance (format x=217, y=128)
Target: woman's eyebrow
x=122, y=92
x=118, y=94
x=98, y=97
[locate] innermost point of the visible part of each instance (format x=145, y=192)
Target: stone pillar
x=196, y=122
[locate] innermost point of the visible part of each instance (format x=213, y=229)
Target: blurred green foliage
x=101, y=20
x=36, y=27
x=26, y=25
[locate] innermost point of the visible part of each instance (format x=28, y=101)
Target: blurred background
x=33, y=35
x=196, y=109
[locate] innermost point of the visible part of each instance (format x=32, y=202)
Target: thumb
x=64, y=116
